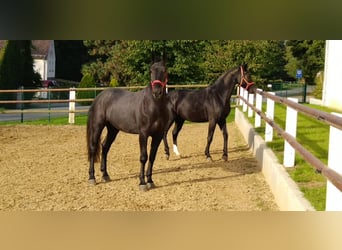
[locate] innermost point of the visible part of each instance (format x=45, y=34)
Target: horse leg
x=211, y=130
x=178, y=126
x=223, y=128
x=153, y=152
x=111, y=135
x=93, y=135
x=166, y=146
x=143, y=160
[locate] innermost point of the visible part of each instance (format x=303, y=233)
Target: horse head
x=158, y=79
x=245, y=79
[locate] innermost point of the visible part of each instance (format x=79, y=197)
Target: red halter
x=243, y=79
x=163, y=84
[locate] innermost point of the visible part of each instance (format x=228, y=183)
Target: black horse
x=211, y=104
x=144, y=112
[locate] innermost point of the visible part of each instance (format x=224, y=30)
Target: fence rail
x=70, y=101
x=335, y=121
x=330, y=119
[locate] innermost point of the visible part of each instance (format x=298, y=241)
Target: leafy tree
x=307, y=55
x=265, y=58
x=70, y=56
x=128, y=62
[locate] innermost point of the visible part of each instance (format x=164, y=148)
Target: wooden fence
x=334, y=171
x=71, y=101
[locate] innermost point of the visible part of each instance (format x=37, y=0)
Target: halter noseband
x=243, y=79
x=163, y=84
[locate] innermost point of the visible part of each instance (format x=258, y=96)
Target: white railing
x=333, y=172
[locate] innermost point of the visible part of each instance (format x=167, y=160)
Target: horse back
x=197, y=105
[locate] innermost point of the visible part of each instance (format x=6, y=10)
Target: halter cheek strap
x=243, y=79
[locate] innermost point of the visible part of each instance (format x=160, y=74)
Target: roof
x=39, y=50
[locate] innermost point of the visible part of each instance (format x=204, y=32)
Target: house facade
x=44, y=58
x=332, y=87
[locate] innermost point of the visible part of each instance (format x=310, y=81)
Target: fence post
x=237, y=100
x=21, y=98
x=290, y=128
x=258, y=105
x=333, y=195
x=250, y=101
x=270, y=115
x=241, y=95
x=49, y=104
x=72, y=97
x=245, y=96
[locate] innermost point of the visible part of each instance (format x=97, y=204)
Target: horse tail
x=93, y=137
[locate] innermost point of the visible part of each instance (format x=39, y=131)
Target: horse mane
x=222, y=77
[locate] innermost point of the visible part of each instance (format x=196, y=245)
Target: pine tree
x=16, y=68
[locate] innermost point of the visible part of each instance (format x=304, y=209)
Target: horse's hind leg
x=111, y=135
x=223, y=128
x=94, y=134
x=153, y=152
x=211, y=130
x=178, y=126
x=166, y=144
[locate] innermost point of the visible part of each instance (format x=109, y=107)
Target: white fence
x=334, y=172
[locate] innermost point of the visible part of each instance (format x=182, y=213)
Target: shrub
x=87, y=81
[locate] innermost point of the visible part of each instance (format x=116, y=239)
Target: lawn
x=314, y=136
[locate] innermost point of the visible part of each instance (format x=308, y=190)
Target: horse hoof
x=143, y=188
x=92, y=182
x=150, y=185
x=225, y=157
x=209, y=159
x=106, y=178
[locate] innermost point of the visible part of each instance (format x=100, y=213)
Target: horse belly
x=123, y=121
x=194, y=115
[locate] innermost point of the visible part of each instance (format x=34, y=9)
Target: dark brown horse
x=211, y=104
x=144, y=112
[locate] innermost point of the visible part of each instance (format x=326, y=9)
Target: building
x=44, y=57
x=332, y=86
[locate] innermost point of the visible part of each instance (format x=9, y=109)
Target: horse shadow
x=235, y=167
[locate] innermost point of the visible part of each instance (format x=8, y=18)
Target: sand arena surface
x=45, y=168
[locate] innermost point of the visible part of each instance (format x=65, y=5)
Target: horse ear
x=245, y=66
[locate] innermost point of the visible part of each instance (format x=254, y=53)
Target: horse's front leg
x=223, y=128
x=143, y=160
x=153, y=152
x=211, y=130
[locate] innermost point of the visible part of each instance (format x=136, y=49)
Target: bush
x=87, y=81
x=319, y=85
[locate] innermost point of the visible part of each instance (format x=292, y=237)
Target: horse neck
x=225, y=85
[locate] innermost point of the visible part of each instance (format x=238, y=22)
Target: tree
x=265, y=58
x=307, y=55
x=129, y=61
x=70, y=56
x=16, y=68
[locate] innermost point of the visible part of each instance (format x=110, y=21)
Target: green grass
x=79, y=120
x=314, y=136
